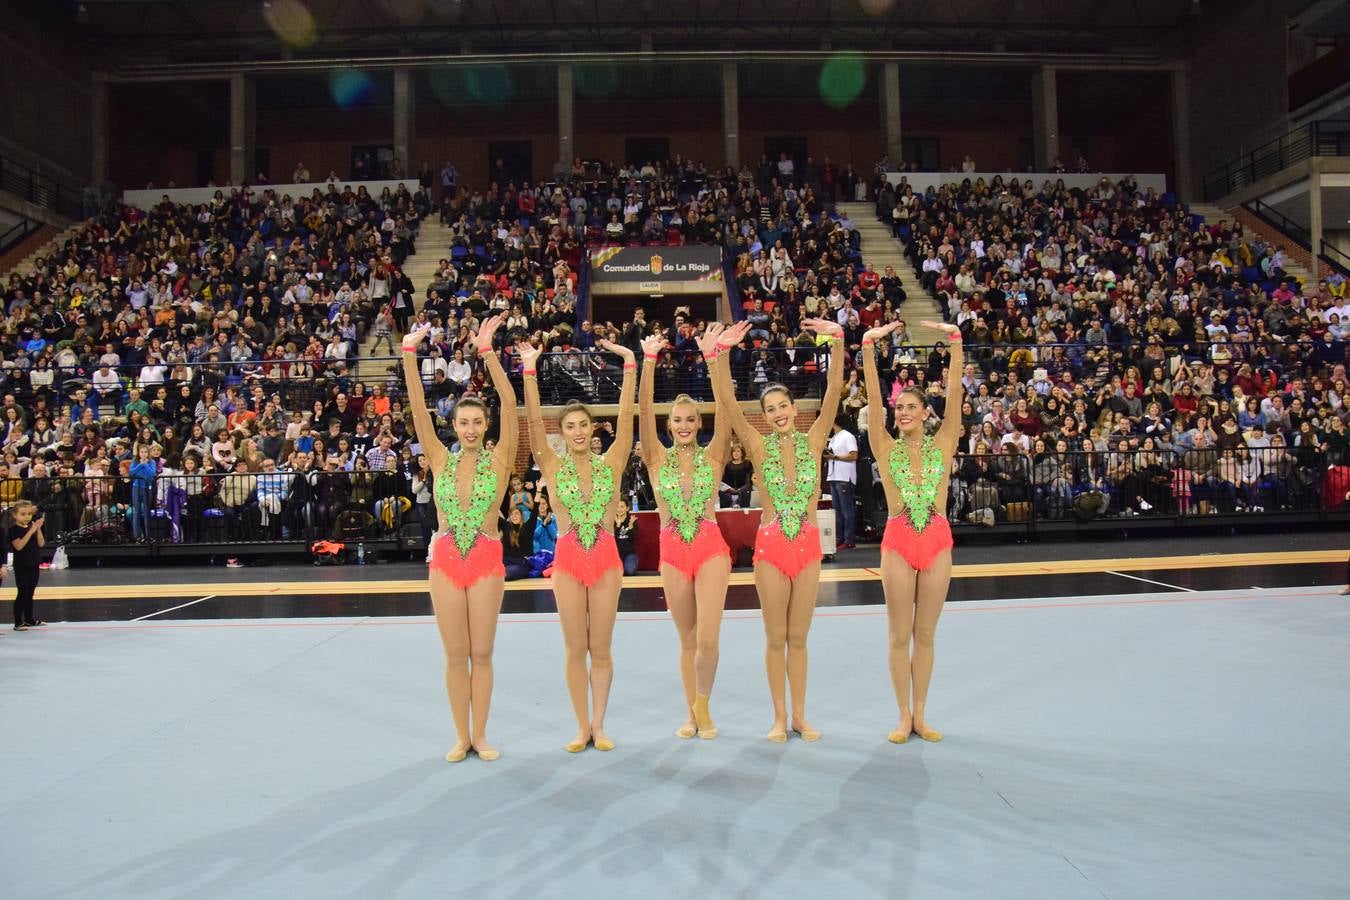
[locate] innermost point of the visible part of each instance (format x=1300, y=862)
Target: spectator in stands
x=625, y=536
x=545, y=526
x=841, y=456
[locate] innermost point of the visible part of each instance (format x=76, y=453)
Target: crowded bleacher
x=211, y=372
x=1128, y=351
x=193, y=373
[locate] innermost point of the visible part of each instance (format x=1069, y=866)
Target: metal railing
x=1336, y=258
x=596, y=376
x=16, y=233
x=219, y=508
x=1171, y=483
x=1279, y=221
x=590, y=375
x=42, y=190
x=1325, y=138
x=1297, y=233
x=285, y=507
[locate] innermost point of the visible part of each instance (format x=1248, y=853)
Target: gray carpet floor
x=1120, y=746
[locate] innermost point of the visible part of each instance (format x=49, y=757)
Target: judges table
x=738, y=530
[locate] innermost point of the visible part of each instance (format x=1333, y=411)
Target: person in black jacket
x=25, y=543
x=518, y=543
x=625, y=536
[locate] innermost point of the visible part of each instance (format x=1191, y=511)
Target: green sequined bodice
x=586, y=511
x=465, y=520
x=790, y=501
x=686, y=510
x=919, y=499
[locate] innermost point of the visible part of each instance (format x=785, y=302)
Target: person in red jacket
x=1184, y=401
x=870, y=315
x=868, y=280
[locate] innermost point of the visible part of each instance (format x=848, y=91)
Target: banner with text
x=657, y=264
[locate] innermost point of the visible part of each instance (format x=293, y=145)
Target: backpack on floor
x=328, y=553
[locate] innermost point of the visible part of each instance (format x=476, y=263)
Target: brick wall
x=805, y=418
x=1259, y=226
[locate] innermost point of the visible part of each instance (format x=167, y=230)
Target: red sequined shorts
x=788, y=556
x=688, y=557
x=484, y=559
x=587, y=566
x=918, y=548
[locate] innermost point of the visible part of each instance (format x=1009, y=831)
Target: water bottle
x=361, y=553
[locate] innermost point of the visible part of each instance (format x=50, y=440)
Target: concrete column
x=1181, y=136
x=243, y=127
x=731, y=115
x=1045, y=116
x=405, y=120
x=98, y=130
x=1315, y=214
x=890, y=112
x=565, y=113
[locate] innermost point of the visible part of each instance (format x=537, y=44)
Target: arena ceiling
x=139, y=35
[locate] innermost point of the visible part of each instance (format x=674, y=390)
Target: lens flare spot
x=291, y=21
x=841, y=80
x=348, y=87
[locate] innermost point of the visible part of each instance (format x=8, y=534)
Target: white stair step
x=880, y=248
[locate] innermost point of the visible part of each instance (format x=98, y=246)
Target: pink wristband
x=867, y=342
x=631, y=365
x=649, y=356
x=529, y=370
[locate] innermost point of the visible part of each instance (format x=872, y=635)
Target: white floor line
x=172, y=608
x=1175, y=587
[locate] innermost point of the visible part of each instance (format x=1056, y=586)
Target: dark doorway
x=618, y=308
x=510, y=161
x=206, y=166
x=793, y=145
x=646, y=149
x=371, y=161
x=925, y=152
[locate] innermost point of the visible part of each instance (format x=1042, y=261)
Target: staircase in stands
x=25, y=265
x=881, y=249
x=1298, y=261
x=433, y=245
